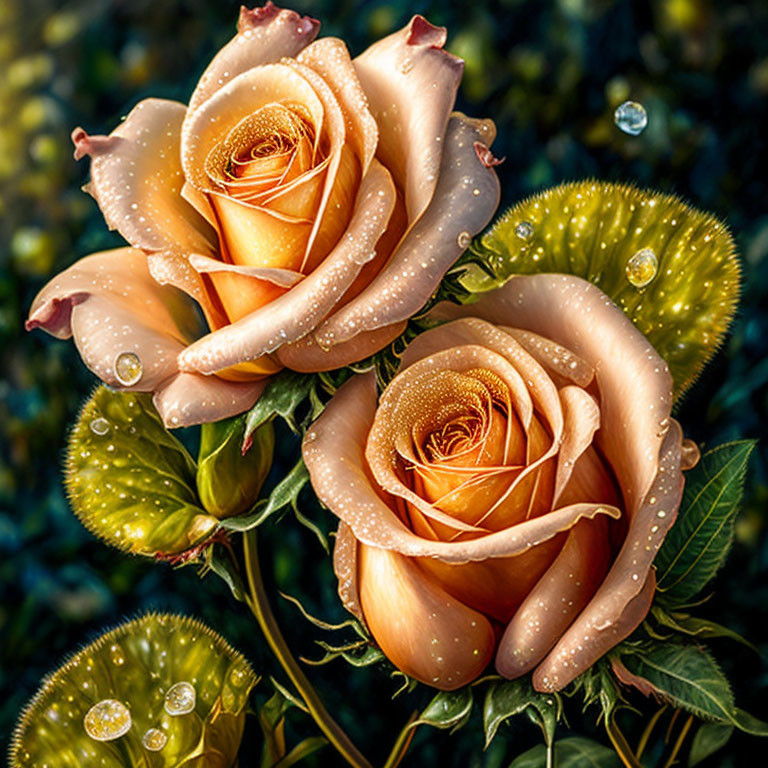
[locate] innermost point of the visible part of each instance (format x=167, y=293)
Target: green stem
x=620, y=744
x=679, y=743
x=259, y=605
x=648, y=731
x=402, y=743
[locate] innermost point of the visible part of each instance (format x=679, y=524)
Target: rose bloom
x=308, y=202
x=504, y=498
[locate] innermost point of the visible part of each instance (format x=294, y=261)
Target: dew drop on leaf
x=100, y=426
x=107, y=720
x=180, y=699
x=154, y=739
x=642, y=268
x=524, y=230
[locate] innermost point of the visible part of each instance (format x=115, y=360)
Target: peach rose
x=505, y=498
x=308, y=202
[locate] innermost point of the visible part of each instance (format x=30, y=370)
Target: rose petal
x=334, y=454
x=582, y=420
x=189, y=398
x=329, y=57
x=411, y=85
x=466, y=197
x=308, y=357
x=290, y=317
x=634, y=382
x=264, y=35
x=423, y=630
x=111, y=305
x=618, y=604
x=208, y=124
x=554, y=602
x=136, y=179
x=345, y=567
x=285, y=278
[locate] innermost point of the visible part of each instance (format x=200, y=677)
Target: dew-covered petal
x=292, y=316
x=169, y=268
x=345, y=567
x=556, y=600
x=466, y=196
x=424, y=631
x=113, y=307
x=329, y=57
x=333, y=451
x=264, y=35
x=285, y=278
x=190, y=398
x=136, y=179
x=307, y=356
x=621, y=602
x=582, y=419
x=411, y=84
x=634, y=382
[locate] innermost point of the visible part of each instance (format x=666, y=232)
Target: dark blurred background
x=550, y=74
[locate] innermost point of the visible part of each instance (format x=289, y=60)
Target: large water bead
x=107, y=720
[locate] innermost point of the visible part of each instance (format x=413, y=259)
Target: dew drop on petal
x=524, y=230
x=631, y=117
x=642, y=268
x=107, y=720
x=154, y=739
x=464, y=239
x=180, y=699
x=128, y=369
x=406, y=66
x=100, y=427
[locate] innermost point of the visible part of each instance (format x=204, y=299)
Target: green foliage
x=696, y=627
x=506, y=699
x=449, y=709
x=683, y=300
x=229, y=475
x=573, y=752
x=283, y=396
x=708, y=739
x=698, y=543
x=130, y=481
x=135, y=665
x=596, y=686
x=688, y=677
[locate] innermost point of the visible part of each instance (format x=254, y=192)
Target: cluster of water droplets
x=110, y=719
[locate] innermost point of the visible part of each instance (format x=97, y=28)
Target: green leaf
x=696, y=627
x=698, y=543
x=282, y=396
x=228, y=478
x=134, y=666
x=285, y=494
x=573, y=752
x=689, y=678
x=302, y=750
x=130, y=481
x=708, y=739
x=449, y=709
x=507, y=699
x=218, y=561
x=593, y=229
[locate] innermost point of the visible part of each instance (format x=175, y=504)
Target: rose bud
x=503, y=500
x=309, y=204
x=161, y=690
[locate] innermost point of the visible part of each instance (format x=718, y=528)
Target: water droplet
x=631, y=117
x=107, y=720
x=406, y=66
x=100, y=427
x=524, y=230
x=464, y=239
x=642, y=268
x=128, y=369
x=116, y=654
x=689, y=454
x=180, y=699
x=154, y=739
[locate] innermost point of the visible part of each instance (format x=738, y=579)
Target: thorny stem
x=643, y=743
x=259, y=605
x=679, y=743
x=402, y=743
